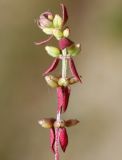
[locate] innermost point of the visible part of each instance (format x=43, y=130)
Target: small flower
x=47, y=122
x=52, y=81
x=45, y=20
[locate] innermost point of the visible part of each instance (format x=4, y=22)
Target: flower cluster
x=54, y=26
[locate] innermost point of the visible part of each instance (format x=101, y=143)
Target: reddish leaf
x=64, y=14
x=52, y=139
x=64, y=43
x=60, y=98
x=66, y=94
x=73, y=69
x=43, y=42
x=63, y=137
x=52, y=67
x=63, y=94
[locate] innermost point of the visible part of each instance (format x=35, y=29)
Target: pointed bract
x=52, y=67
x=52, y=139
x=44, y=41
x=64, y=14
x=63, y=138
x=73, y=69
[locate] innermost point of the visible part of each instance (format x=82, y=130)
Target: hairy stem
x=58, y=118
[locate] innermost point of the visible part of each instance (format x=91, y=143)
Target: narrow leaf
x=73, y=69
x=60, y=98
x=52, y=139
x=63, y=138
x=52, y=67
x=66, y=94
x=44, y=41
x=64, y=14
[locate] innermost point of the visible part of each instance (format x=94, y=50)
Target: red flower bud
x=73, y=69
x=52, y=67
x=63, y=138
x=64, y=43
x=52, y=139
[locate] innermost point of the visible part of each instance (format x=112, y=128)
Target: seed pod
x=53, y=66
x=47, y=122
x=63, y=138
x=59, y=124
x=71, y=122
x=63, y=82
x=52, y=81
x=73, y=69
x=52, y=139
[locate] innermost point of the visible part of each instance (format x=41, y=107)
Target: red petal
x=63, y=137
x=64, y=14
x=66, y=94
x=73, y=69
x=60, y=98
x=64, y=43
x=52, y=139
x=43, y=42
x=52, y=67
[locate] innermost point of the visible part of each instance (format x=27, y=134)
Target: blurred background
x=25, y=97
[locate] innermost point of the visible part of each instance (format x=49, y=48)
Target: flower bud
x=71, y=122
x=63, y=82
x=73, y=80
x=47, y=122
x=48, y=31
x=52, y=51
x=57, y=33
x=64, y=43
x=66, y=32
x=52, y=81
x=57, y=21
x=45, y=20
x=59, y=124
x=74, y=50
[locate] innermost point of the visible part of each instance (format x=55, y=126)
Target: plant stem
x=58, y=118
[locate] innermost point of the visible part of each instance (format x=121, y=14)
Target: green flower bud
x=66, y=32
x=52, y=51
x=52, y=81
x=48, y=31
x=58, y=34
x=74, y=50
x=57, y=21
x=63, y=82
